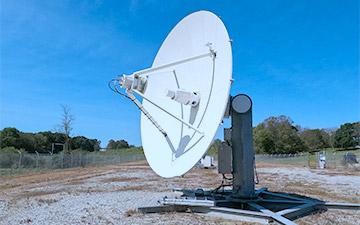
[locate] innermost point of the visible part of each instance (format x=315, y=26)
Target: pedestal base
x=265, y=207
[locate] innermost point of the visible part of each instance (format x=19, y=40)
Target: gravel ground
x=110, y=194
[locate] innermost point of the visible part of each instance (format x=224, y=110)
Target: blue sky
x=297, y=58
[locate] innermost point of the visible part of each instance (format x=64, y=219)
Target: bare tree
x=67, y=120
x=331, y=132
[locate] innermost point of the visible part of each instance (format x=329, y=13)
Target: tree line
x=275, y=135
x=279, y=135
x=53, y=142
x=45, y=142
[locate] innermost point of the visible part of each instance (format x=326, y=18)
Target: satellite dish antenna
x=185, y=93
x=185, y=97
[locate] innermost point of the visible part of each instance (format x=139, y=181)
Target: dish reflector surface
x=209, y=76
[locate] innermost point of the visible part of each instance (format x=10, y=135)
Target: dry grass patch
x=75, y=182
x=330, y=217
x=93, y=190
x=133, y=188
x=131, y=212
x=8, y=186
x=47, y=201
x=331, y=172
x=316, y=191
x=30, y=194
x=119, y=179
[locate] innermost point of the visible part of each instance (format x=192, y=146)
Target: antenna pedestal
x=242, y=147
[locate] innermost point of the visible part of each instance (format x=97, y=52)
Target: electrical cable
x=112, y=85
x=225, y=182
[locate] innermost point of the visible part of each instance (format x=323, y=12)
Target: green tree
x=40, y=143
x=81, y=142
x=278, y=135
x=357, y=133
x=10, y=137
x=120, y=144
x=315, y=139
x=347, y=136
x=53, y=137
x=331, y=136
x=111, y=144
x=27, y=142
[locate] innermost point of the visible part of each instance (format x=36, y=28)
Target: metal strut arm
x=146, y=113
x=153, y=69
x=170, y=114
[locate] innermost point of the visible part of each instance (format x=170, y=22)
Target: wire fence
x=13, y=163
x=316, y=160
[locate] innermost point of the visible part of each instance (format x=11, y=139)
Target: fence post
x=37, y=159
x=62, y=160
x=19, y=165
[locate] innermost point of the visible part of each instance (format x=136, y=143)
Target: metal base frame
x=265, y=207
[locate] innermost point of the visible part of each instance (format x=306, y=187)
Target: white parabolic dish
x=208, y=76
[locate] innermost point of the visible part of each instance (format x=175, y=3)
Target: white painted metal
x=189, y=202
x=322, y=160
x=207, y=162
x=169, y=113
x=184, y=97
x=130, y=83
x=208, y=74
x=146, y=113
x=153, y=69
